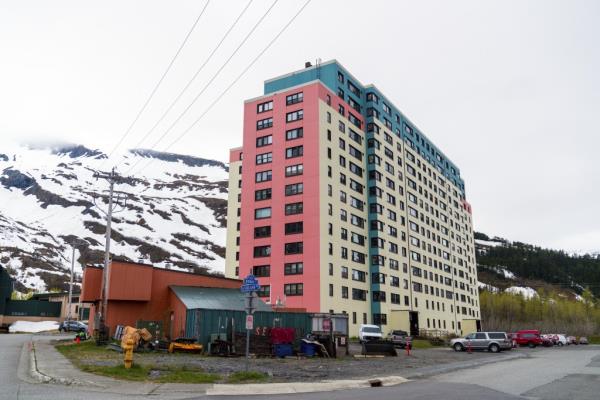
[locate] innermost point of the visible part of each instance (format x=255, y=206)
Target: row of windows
x=289, y=100
x=289, y=248
x=292, y=116
x=294, y=268
x=289, y=289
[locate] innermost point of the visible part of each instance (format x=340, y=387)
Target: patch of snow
x=489, y=243
x=485, y=286
x=526, y=292
x=33, y=327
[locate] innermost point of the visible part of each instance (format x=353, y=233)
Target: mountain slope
x=174, y=213
x=503, y=264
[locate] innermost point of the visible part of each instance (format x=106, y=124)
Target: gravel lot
x=287, y=370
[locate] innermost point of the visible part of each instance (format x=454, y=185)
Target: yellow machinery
x=185, y=344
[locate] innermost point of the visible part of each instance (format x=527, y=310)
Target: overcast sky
x=509, y=90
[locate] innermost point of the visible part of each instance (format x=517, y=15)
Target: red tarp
x=282, y=335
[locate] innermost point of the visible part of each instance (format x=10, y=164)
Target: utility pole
x=112, y=178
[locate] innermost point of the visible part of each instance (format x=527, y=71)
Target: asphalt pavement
x=547, y=374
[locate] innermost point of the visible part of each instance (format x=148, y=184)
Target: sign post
x=250, y=286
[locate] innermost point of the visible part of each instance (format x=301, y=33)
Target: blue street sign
x=250, y=284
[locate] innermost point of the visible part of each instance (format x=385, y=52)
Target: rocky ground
x=292, y=369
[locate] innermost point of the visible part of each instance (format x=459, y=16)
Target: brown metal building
x=141, y=292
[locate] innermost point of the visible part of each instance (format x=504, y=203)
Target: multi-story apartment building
x=338, y=203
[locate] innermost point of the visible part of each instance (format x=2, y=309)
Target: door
x=481, y=341
x=413, y=319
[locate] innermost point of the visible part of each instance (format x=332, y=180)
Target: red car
x=529, y=338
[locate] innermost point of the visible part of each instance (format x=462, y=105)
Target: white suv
x=369, y=332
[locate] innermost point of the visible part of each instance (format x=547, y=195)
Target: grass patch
x=421, y=344
x=84, y=355
x=135, y=373
x=247, y=377
x=184, y=375
x=594, y=339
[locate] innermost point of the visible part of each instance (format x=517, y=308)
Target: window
x=263, y=194
x=296, y=268
x=379, y=319
x=262, y=251
x=260, y=213
x=358, y=257
x=359, y=294
x=264, y=291
x=344, y=272
x=293, y=189
x=293, y=208
x=294, y=134
x=262, y=231
x=355, y=169
x=264, y=158
x=354, y=120
x=294, y=248
x=264, y=124
x=293, y=170
x=356, y=203
x=264, y=140
x=372, y=97
x=357, y=238
x=359, y=276
x=345, y=292
x=294, y=98
x=266, y=106
x=355, y=153
x=387, y=109
x=353, y=89
x=261, y=270
x=292, y=152
x=294, y=116
x=378, y=296
x=263, y=176
x=293, y=289
x=294, y=227
x=417, y=287
x=395, y=298
x=355, y=136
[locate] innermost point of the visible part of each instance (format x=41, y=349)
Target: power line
x=178, y=97
x=230, y=85
x=157, y=85
x=216, y=74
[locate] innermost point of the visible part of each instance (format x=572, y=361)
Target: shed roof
x=214, y=298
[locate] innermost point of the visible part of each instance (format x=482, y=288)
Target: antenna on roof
x=318, y=64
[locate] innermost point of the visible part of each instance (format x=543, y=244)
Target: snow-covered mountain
x=174, y=214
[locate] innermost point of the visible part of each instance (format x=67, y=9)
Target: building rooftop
x=214, y=298
x=341, y=82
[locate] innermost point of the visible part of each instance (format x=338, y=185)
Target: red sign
x=249, y=321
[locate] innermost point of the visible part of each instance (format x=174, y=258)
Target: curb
x=40, y=377
x=301, y=387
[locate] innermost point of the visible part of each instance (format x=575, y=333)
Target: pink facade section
x=235, y=154
x=311, y=198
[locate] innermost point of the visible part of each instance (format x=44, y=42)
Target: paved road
x=14, y=383
x=548, y=374
x=571, y=372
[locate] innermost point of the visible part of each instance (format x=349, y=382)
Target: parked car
x=398, y=337
x=72, y=326
x=547, y=340
x=369, y=332
x=492, y=341
x=529, y=338
x=571, y=340
x=583, y=340
x=561, y=340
